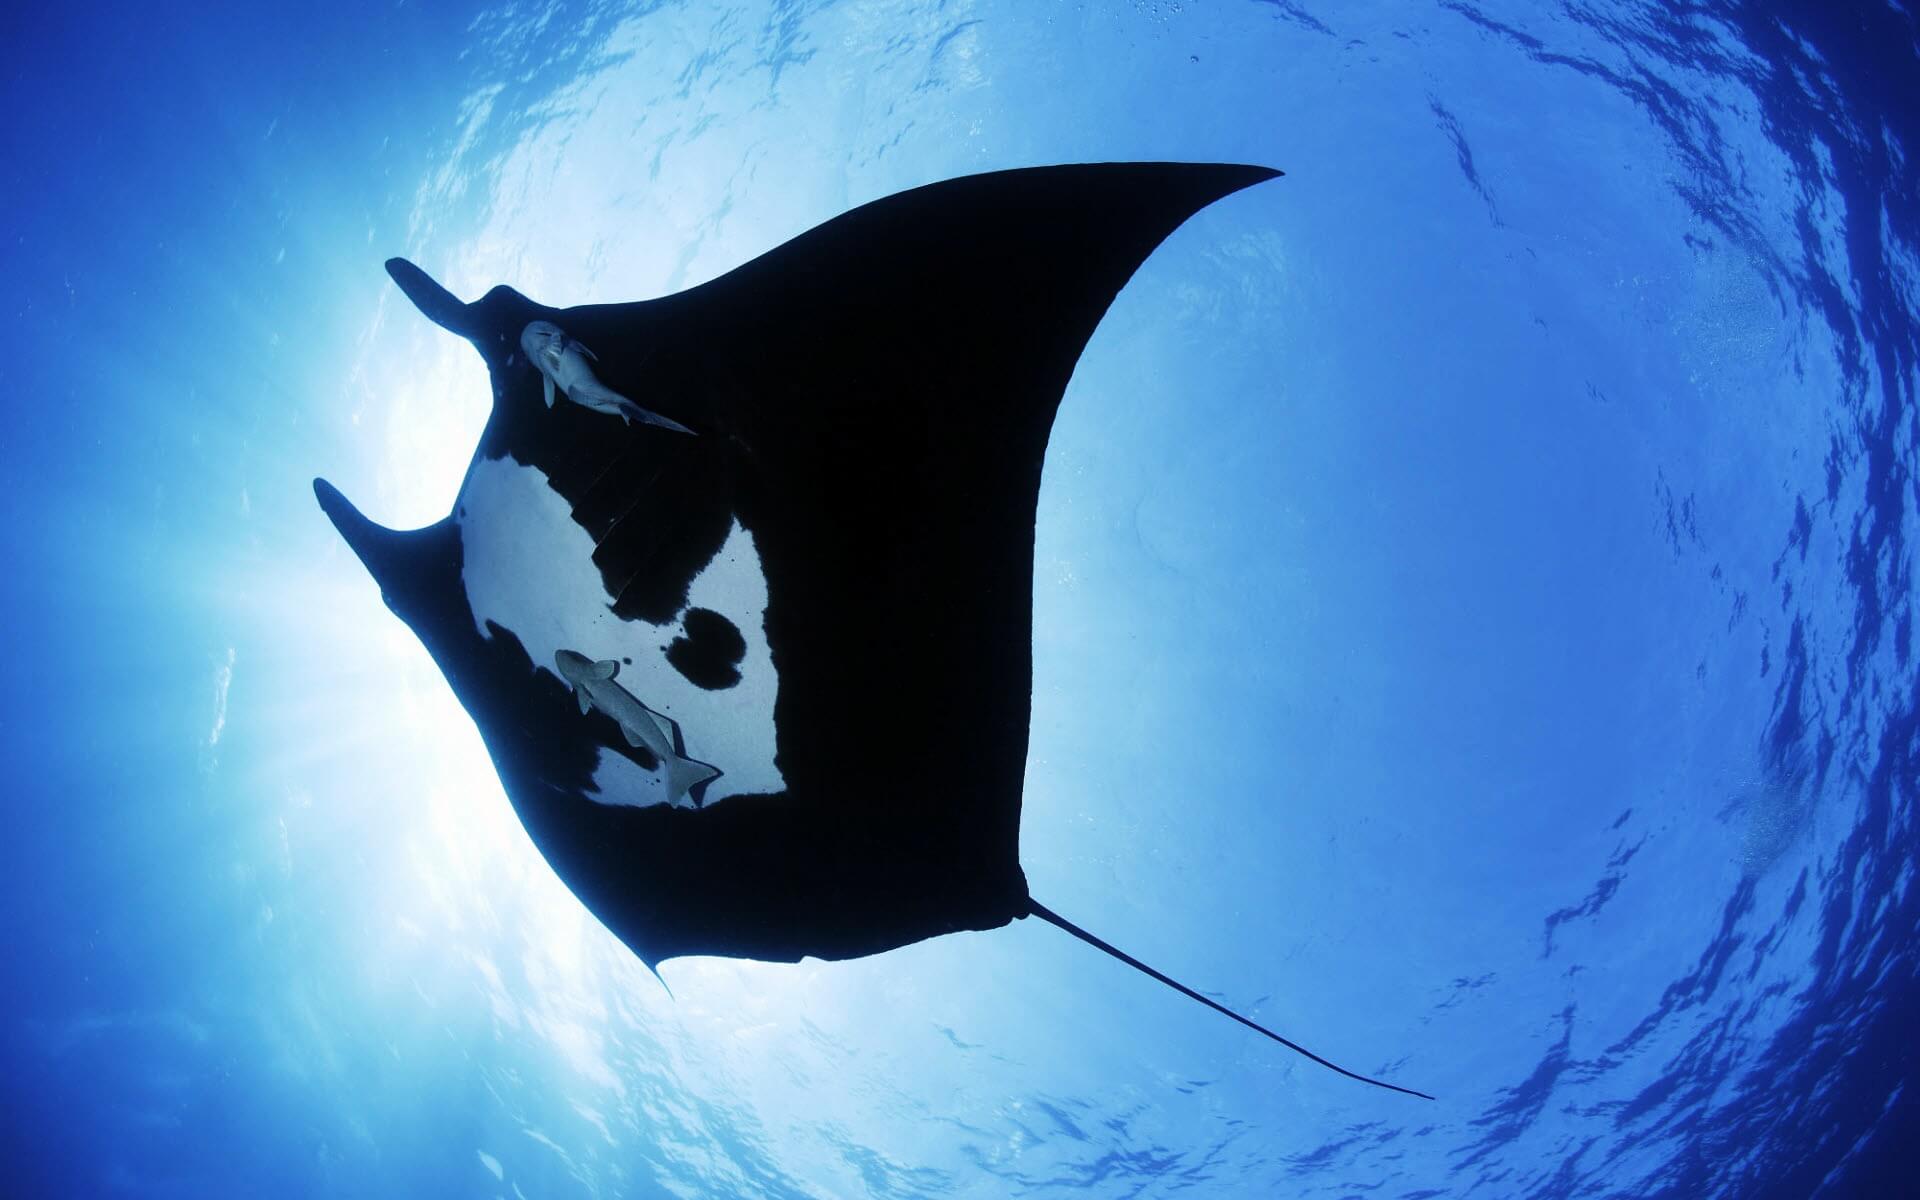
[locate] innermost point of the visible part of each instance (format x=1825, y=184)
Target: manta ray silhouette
x=818, y=607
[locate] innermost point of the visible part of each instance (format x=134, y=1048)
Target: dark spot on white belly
x=708, y=651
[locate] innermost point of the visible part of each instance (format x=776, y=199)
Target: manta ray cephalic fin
x=439, y=305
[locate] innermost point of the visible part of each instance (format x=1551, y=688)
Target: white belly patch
x=528, y=568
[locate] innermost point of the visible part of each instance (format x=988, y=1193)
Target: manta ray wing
x=875, y=398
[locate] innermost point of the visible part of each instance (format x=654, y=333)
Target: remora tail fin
x=647, y=416
x=685, y=774
x=1037, y=909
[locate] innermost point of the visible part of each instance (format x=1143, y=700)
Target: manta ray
x=819, y=606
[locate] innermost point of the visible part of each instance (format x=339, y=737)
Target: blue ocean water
x=1473, y=607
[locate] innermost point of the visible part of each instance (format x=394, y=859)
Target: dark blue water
x=1474, y=607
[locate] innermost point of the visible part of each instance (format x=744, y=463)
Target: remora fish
x=593, y=683
x=562, y=363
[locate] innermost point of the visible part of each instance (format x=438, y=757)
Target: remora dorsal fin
x=669, y=729
x=606, y=668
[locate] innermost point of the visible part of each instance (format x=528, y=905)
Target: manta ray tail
x=1037, y=909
